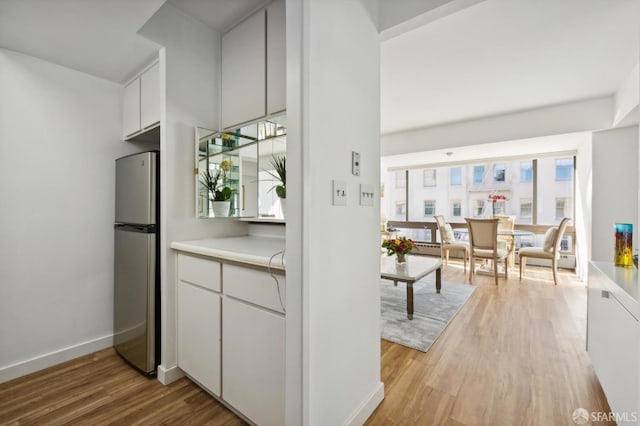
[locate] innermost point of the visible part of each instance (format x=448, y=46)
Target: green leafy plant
x=279, y=165
x=215, y=183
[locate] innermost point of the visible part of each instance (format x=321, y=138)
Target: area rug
x=431, y=313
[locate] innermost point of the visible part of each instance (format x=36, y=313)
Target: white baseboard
x=367, y=407
x=41, y=362
x=169, y=375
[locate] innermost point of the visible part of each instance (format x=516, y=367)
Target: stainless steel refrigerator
x=136, y=270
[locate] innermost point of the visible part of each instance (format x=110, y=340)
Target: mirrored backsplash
x=235, y=170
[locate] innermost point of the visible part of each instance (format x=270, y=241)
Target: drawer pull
x=605, y=294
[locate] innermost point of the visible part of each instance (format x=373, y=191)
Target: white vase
x=283, y=206
x=220, y=208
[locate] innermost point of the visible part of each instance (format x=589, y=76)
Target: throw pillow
x=549, y=239
x=447, y=234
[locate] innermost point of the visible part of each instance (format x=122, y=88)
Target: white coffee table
x=416, y=267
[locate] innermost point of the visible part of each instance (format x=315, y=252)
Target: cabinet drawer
x=254, y=286
x=202, y=272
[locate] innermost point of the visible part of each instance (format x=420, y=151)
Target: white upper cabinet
x=254, y=67
x=276, y=58
x=150, y=97
x=243, y=71
x=131, y=108
x=141, y=103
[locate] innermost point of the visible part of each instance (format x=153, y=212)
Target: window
x=564, y=243
x=478, y=208
x=563, y=208
x=429, y=207
x=456, y=176
x=456, y=208
x=498, y=173
x=401, y=179
x=526, y=171
x=564, y=169
x=429, y=177
x=400, y=208
x=478, y=174
x=526, y=207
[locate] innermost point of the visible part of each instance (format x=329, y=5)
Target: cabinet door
x=131, y=108
x=199, y=335
x=150, y=97
x=243, y=72
x=276, y=58
x=254, y=362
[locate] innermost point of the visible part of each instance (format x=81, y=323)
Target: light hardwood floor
x=513, y=355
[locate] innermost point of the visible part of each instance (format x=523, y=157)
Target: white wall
x=588, y=115
x=615, y=188
x=627, y=97
x=191, y=58
x=340, y=254
x=583, y=203
x=60, y=131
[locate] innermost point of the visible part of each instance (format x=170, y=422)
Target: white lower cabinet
x=231, y=335
x=253, y=361
x=199, y=334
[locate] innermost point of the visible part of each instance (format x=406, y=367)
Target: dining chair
x=550, y=248
x=449, y=243
x=506, y=225
x=483, y=237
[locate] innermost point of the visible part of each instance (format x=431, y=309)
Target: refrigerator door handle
x=132, y=227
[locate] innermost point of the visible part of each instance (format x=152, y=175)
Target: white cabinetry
x=253, y=373
x=231, y=332
x=243, y=71
x=141, y=103
x=276, y=58
x=254, y=67
x=199, y=316
x=613, y=342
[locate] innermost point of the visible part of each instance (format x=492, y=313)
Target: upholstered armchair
x=550, y=248
x=449, y=243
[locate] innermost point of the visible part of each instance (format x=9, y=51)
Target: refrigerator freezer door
x=136, y=188
x=134, y=298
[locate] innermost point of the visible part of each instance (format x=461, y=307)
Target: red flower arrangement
x=399, y=247
x=494, y=198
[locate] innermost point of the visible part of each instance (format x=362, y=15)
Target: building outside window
x=401, y=208
x=499, y=173
x=456, y=176
x=429, y=177
x=564, y=169
x=563, y=208
x=456, y=208
x=401, y=179
x=478, y=174
x=526, y=171
x=429, y=207
x=478, y=208
x=526, y=207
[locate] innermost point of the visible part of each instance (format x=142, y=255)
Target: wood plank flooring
x=513, y=355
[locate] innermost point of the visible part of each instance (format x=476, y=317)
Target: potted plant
x=279, y=166
x=219, y=192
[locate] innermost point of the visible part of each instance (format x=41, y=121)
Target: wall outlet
x=339, y=193
x=366, y=194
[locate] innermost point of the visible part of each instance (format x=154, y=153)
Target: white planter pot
x=283, y=206
x=220, y=208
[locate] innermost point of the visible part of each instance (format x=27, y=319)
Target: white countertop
x=252, y=249
x=625, y=278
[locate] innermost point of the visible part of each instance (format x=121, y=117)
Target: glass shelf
x=246, y=155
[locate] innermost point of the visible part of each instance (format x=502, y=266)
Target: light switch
x=355, y=163
x=339, y=193
x=366, y=194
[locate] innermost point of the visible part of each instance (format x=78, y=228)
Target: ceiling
x=96, y=37
x=442, y=61
x=498, y=56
